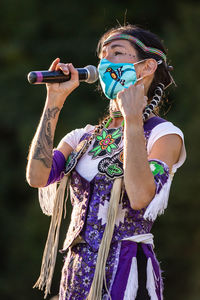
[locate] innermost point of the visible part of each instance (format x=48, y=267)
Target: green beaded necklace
x=115, y=114
x=110, y=120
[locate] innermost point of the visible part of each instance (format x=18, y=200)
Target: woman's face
x=119, y=51
x=122, y=51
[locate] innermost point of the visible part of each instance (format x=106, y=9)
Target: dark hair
x=150, y=39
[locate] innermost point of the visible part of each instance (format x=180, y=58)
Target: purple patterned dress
x=90, y=201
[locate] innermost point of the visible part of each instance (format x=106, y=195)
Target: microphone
x=88, y=74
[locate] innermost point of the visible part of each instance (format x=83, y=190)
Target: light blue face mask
x=115, y=77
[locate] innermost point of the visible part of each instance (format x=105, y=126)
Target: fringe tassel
x=51, y=247
x=151, y=286
x=159, y=202
x=46, y=197
x=99, y=276
x=132, y=283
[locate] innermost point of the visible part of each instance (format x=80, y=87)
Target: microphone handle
x=40, y=77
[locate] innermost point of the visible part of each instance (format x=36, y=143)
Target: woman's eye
x=117, y=53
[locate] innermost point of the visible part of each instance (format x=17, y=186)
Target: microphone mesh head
x=92, y=74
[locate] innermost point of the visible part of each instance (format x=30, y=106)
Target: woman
x=120, y=173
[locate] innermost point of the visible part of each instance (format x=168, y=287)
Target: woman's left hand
x=131, y=102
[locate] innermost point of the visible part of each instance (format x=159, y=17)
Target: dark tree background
x=32, y=34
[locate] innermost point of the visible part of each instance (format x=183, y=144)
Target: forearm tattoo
x=44, y=143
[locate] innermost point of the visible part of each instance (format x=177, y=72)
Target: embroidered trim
x=106, y=143
x=112, y=167
x=163, y=182
x=156, y=168
x=74, y=156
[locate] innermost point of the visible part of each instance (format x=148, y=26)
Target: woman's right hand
x=58, y=92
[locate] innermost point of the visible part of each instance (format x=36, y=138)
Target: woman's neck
x=116, y=122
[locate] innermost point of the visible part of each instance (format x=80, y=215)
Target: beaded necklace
x=116, y=114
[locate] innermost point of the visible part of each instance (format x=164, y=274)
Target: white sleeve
x=164, y=129
x=73, y=137
x=160, y=201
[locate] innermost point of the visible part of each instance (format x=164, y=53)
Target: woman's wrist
x=136, y=122
x=55, y=100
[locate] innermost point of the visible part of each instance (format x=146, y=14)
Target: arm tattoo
x=44, y=143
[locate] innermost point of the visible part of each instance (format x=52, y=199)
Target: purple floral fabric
x=90, y=201
x=79, y=267
x=80, y=190
x=129, y=222
x=78, y=271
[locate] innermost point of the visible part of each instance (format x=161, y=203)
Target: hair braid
x=155, y=101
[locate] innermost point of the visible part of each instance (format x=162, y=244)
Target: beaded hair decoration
x=137, y=42
x=154, y=102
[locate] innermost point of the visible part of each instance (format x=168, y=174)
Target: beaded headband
x=137, y=42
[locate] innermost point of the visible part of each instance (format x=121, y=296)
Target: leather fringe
x=51, y=247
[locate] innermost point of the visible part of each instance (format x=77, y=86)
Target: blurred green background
x=32, y=34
